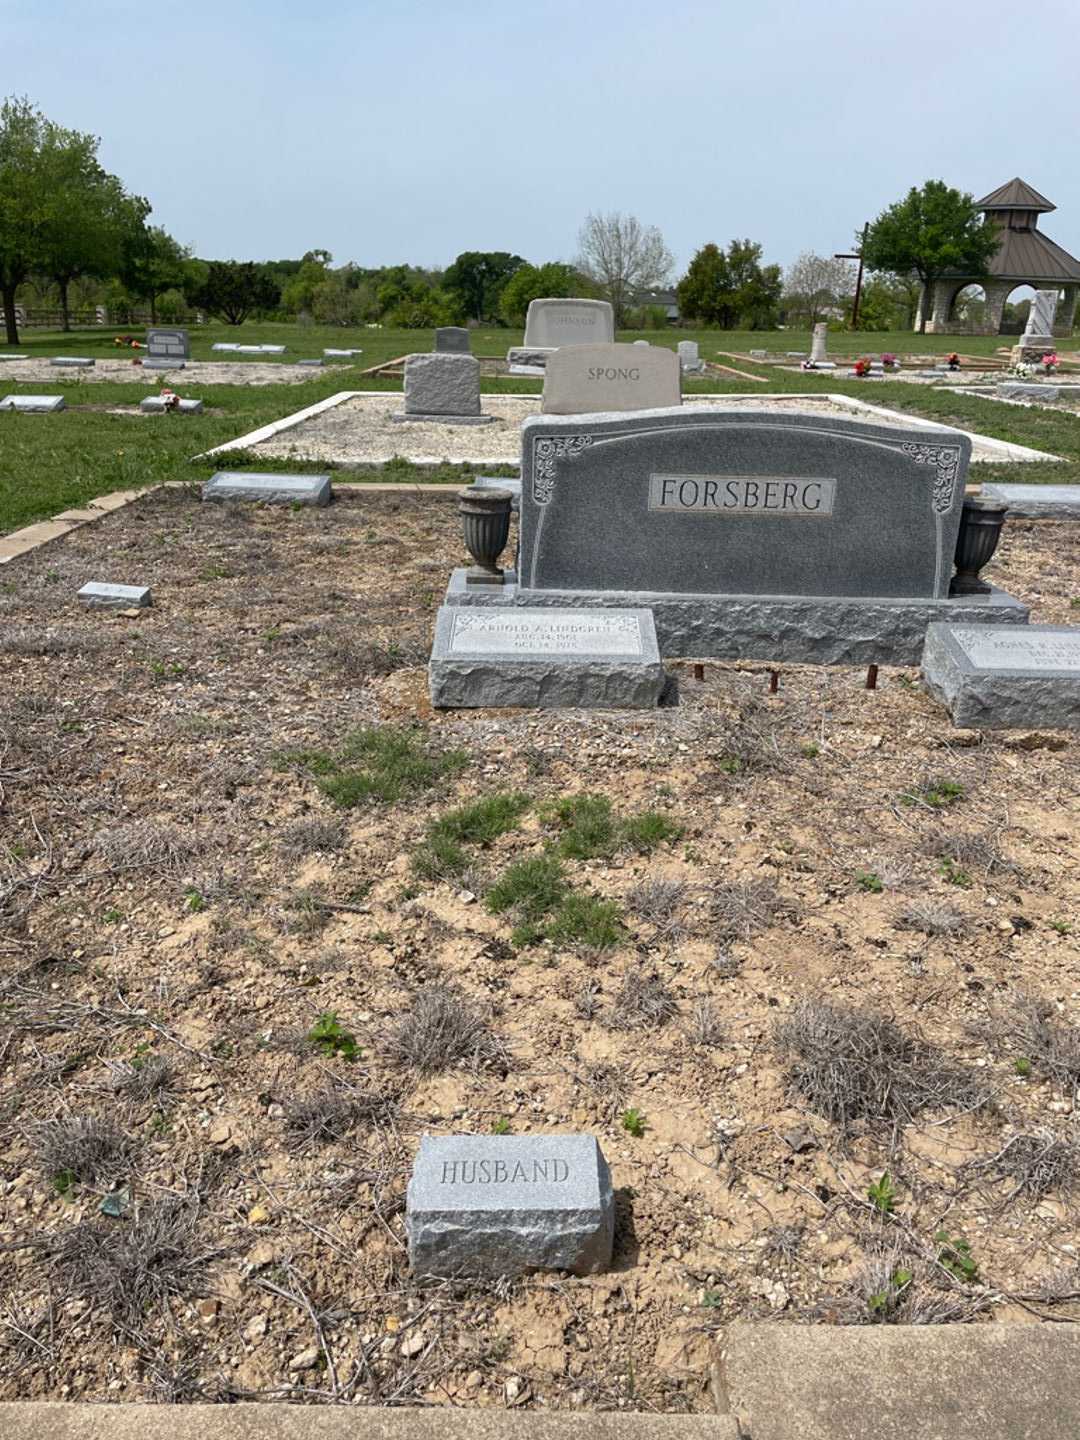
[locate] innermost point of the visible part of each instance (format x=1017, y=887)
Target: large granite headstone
x=443, y=387
x=500, y=1205
x=452, y=340
x=167, y=345
x=1037, y=502
x=550, y=324
x=268, y=488
x=580, y=379
x=1005, y=678
x=546, y=658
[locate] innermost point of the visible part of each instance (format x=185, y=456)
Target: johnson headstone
x=502, y=1205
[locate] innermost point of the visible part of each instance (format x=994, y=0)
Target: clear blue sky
x=409, y=130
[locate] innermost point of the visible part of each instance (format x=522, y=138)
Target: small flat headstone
x=33, y=404
x=268, y=489
x=1037, y=502
x=155, y=405
x=759, y=354
x=225, y=345
x=545, y=658
x=248, y=349
x=319, y=361
x=501, y=1205
x=151, y=363
x=14, y=357
x=341, y=354
x=452, y=340
x=98, y=596
x=271, y=349
x=1005, y=677
x=72, y=362
x=1015, y=390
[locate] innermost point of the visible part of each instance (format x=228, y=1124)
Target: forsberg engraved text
x=787, y=496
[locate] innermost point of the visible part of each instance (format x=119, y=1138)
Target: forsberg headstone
x=499, y=1206
x=586, y=378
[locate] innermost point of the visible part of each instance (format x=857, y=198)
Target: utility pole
x=858, y=278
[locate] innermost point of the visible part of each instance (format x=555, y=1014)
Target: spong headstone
x=586, y=378
x=1008, y=677
x=501, y=1205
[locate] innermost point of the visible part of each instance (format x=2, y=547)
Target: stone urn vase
x=980, y=531
x=485, y=524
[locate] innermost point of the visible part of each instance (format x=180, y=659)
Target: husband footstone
x=268, y=489
x=1003, y=678
x=499, y=1206
x=548, y=658
x=586, y=378
x=443, y=387
x=451, y=340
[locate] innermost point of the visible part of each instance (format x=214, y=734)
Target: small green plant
x=586, y=920
x=869, y=880
x=377, y=764
x=810, y=750
x=330, y=1037
x=633, y=1122
x=1061, y=926
x=956, y=1257
x=1022, y=1066
x=955, y=873
x=501, y=1126
x=64, y=1182
x=1074, y=603
x=194, y=900
x=646, y=831
x=438, y=858
x=883, y=1303
x=937, y=794
x=484, y=821
x=532, y=887
x=882, y=1195
x=112, y=916
x=587, y=824
x=712, y=1299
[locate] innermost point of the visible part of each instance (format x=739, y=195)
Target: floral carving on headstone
x=947, y=460
x=546, y=455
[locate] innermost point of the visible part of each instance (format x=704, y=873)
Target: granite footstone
x=33, y=404
x=1037, y=502
x=1003, y=679
x=499, y=1206
x=152, y=364
x=156, y=405
x=584, y=379
x=268, y=489
x=98, y=596
x=73, y=362
x=547, y=658
x=502, y=482
x=332, y=354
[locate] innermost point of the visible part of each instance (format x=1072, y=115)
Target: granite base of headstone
x=268, y=489
x=499, y=1206
x=1036, y=502
x=33, y=404
x=156, y=405
x=552, y=658
x=98, y=596
x=149, y=363
x=72, y=362
x=1004, y=679
x=531, y=361
x=271, y=349
x=452, y=340
x=226, y=347
x=443, y=388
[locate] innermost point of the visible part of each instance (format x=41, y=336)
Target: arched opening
x=1014, y=312
x=967, y=313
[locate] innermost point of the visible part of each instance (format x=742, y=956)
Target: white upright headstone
x=1040, y=320
x=689, y=358
x=819, y=345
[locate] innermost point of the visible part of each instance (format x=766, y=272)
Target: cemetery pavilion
x=1025, y=257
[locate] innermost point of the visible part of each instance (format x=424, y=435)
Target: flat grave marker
x=155, y=405
x=1037, y=502
x=502, y=1205
x=33, y=404
x=332, y=354
x=1005, y=678
x=548, y=658
x=99, y=596
x=268, y=489
x=72, y=362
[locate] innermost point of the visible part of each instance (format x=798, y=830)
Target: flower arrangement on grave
x=1022, y=370
x=171, y=399
x=128, y=342
x=1050, y=362
x=862, y=367
x=953, y=361
x=890, y=361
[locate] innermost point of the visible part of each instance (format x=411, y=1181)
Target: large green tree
x=84, y=238
x=48, y=178
x=731, y=287
x=555, y=280
x=152, y=261
x=479, y=278
x=930, y=232
x=233, y=289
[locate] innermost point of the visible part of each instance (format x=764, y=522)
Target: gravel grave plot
x=816, y=937
x=362, y=431
x=195, y=372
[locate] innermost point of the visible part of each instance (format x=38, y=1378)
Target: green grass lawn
x=51, y=463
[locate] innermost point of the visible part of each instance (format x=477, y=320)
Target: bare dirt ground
x=127, y=370
x=362, y=430
x=840, y=947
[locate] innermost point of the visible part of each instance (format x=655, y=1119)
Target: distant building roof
x=1016, y=194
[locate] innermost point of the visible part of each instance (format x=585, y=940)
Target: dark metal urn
x=485, y=524
x=980, y=531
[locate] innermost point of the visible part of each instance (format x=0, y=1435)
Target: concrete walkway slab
x=904, y=1382
x=345, y=1422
